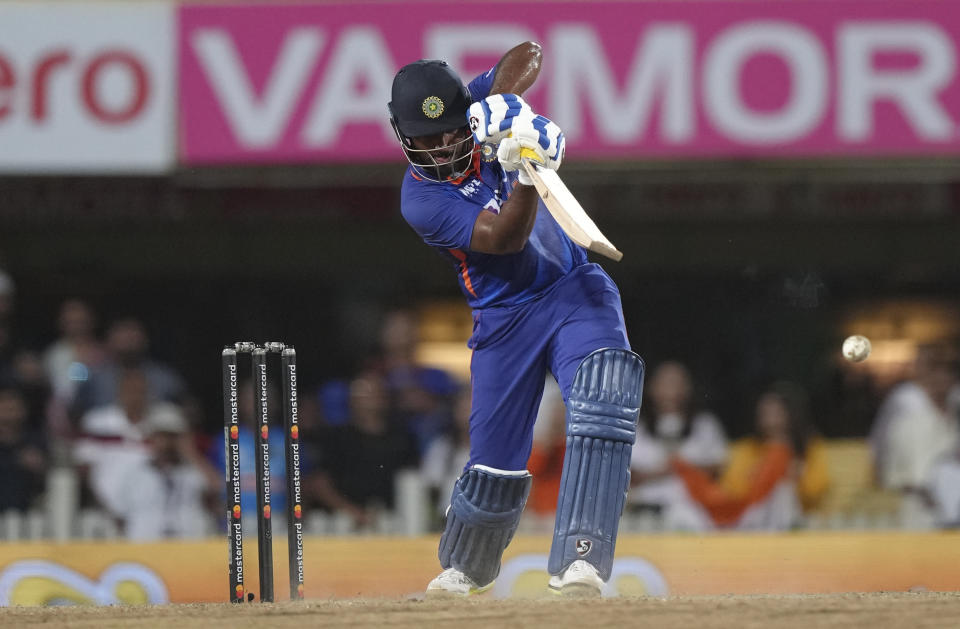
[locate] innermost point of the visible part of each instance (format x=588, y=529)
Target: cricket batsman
x=537, y=303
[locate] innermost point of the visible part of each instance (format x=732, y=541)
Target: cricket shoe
x=579, y=580
x=451, y=583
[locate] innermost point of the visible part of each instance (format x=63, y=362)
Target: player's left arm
x=508, y=231
x=499, y=112
x=517, y=69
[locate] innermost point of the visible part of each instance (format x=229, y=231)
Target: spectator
x=30, y=379
x=112, y=439
x=6, y=314
x=334, y=400
x=420, y=397
x=7, y=291
x=361, y=459
x=128, y=347
x=167, y=495
x=246, y=439
x=448, y=454
x=672, y=425
x=945, y=489
x=22, y=454
x=20, y=368
x=69, y=360
x=6, y=357
x=770, y=475
x=918, y=424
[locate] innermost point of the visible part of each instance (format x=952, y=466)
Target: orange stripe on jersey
x=464, y=273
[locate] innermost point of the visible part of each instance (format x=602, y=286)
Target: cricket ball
x=856, y=348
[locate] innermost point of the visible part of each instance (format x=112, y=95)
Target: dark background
x=743, y=270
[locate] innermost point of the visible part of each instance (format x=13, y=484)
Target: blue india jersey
x=444, y=213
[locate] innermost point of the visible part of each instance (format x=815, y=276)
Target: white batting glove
x=511, y=153
x=535, y=138
x=491, y=118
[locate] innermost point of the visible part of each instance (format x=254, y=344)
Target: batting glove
x=491, y=118
x=535, y=138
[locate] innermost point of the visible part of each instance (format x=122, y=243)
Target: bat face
x=568, y=212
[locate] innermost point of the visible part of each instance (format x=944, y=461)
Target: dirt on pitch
x=886, y=610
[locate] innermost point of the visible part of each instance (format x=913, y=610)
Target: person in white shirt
x=112, y=439
x=670, y=425
x=917, y=426
x=170, y=494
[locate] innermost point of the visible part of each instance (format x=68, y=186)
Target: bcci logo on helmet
x=488, y=152
x=584, y=546
x=432, y=107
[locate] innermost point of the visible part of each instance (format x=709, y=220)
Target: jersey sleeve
x=442, y=220
x=480, y=86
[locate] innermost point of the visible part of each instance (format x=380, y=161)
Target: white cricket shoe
x=580, y=580
x=451, y=583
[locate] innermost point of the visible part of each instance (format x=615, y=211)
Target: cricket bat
x=567, y=211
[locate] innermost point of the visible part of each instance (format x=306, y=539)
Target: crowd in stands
x=131, y=427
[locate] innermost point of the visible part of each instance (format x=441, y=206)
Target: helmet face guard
x=430, y=101
x=448, y=162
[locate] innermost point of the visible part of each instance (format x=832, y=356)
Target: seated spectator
x=356, y=475
x=448, y=455
x=247, y=440
x=6, y=353
x=944, y=490
x=7, y=292
x=69, y=359
x=334, y=400
x=672, y=425
x=112, y=439
x=30, y=379
x=918, y=424
x=169, y=494
x=23, y=463
x=127, y=348
x=19, y=367
x=769, y=476
x=419, y=396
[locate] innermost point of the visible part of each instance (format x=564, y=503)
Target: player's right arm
x=507, y=232
x=526, y=133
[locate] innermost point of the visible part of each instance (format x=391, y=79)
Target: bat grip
x=530, y=154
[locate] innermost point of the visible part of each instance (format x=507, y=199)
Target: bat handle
x=531, y=155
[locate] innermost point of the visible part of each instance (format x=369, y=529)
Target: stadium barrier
x=851, y=504
x=381, y=566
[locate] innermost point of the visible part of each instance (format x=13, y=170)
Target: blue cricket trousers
x=513, y=347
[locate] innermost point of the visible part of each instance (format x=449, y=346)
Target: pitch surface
x=889, y=610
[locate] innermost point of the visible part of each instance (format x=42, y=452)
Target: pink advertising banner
x=273, y=83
